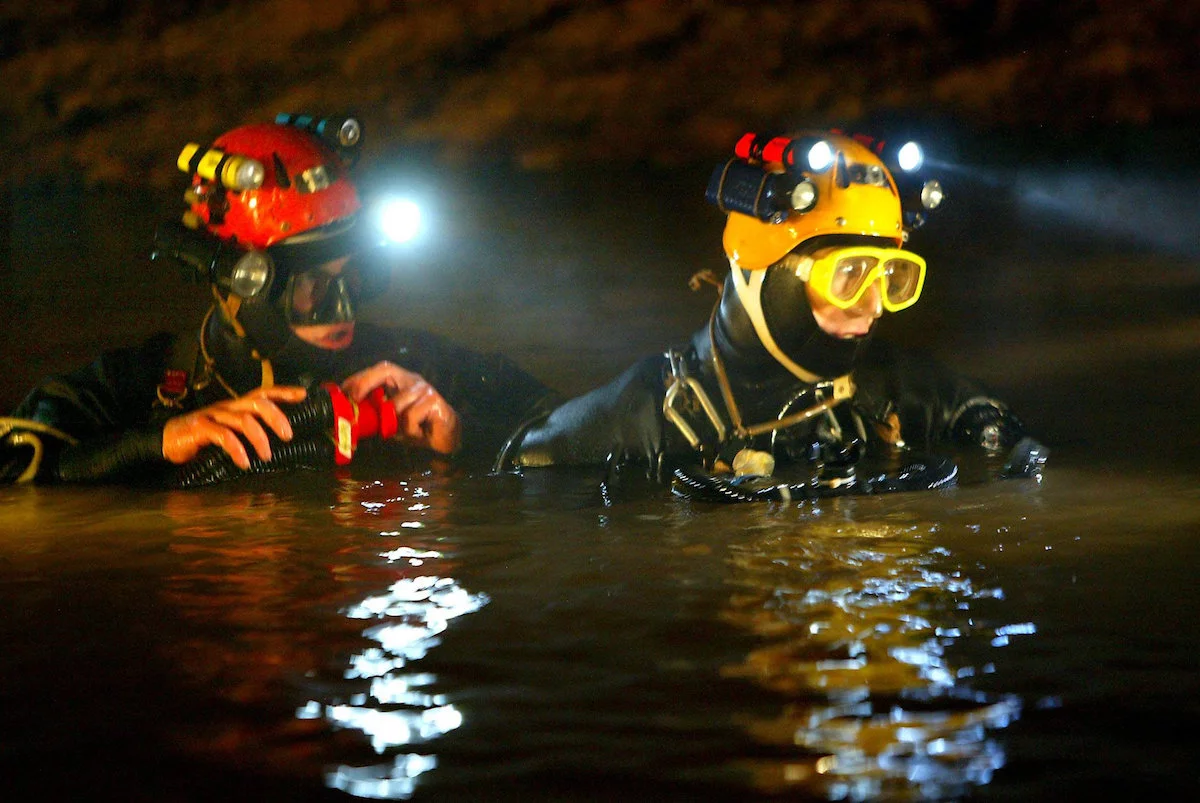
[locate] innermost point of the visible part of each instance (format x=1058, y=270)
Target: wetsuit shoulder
x=928, y=396
x=115, y=391
x=104, y=411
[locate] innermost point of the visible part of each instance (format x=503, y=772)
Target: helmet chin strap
x=229, y=308
x=750, y=294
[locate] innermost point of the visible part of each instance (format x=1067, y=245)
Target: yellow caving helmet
x=855, y=195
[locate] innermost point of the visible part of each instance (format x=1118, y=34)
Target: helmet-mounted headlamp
x=343, y=134
x=771, y=178
x=803, y=153
x=771, y=196
x=749, y=183
x=272, y=207
x=251, y=273
x=210, y=260
x=919, y=194
x=264, y=183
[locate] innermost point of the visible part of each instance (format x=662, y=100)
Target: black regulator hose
x=215, y=465
x=691, y=483
x=311, y=446
x=923, y=473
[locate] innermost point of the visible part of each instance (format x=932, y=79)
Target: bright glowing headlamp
x=918, y=194
x=910, y=157
x=900, y=156
x=803, y=153
x=819, y=156
x=399, y=219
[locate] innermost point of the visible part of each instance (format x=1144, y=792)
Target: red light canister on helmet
x=763, y=180
x=758, y=148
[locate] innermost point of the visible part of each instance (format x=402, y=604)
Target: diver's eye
x=848, y=276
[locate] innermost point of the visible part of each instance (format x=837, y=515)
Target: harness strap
x=230, y=306
x=839, y=388
x=682, y=383
x=750, y=294
x=830, y=394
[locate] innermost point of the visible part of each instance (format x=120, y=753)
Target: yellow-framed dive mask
x=842, y=276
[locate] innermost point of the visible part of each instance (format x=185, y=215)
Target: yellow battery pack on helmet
x=236, y=173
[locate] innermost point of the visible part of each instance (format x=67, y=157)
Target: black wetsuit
x=904, y=402
x=112, y=407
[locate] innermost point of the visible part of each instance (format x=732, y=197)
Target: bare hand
x=220, y=424
x=425, y=419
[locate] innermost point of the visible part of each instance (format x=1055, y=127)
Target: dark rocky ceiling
x=110, y=90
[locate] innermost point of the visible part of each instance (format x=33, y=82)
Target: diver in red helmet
x=785, y=391
x=275, y=226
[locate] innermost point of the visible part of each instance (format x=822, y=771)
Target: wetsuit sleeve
x=104, y=408
x=493, y=396
x=618, y=422
x=934, y=404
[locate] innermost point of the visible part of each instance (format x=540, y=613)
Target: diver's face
x=331, y=336
x=855, y=321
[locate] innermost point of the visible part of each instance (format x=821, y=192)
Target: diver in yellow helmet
x=812, y=285
x=785, y=391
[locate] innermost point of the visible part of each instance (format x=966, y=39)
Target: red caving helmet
x=305, y=186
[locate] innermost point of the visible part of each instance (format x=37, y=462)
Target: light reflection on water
x=856, y=620
x=243, y=570
x=396, y=708
x=399, y=708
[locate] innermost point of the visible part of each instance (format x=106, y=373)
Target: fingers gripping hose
x=326, y=429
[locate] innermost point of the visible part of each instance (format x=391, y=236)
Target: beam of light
x=1153, y=210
